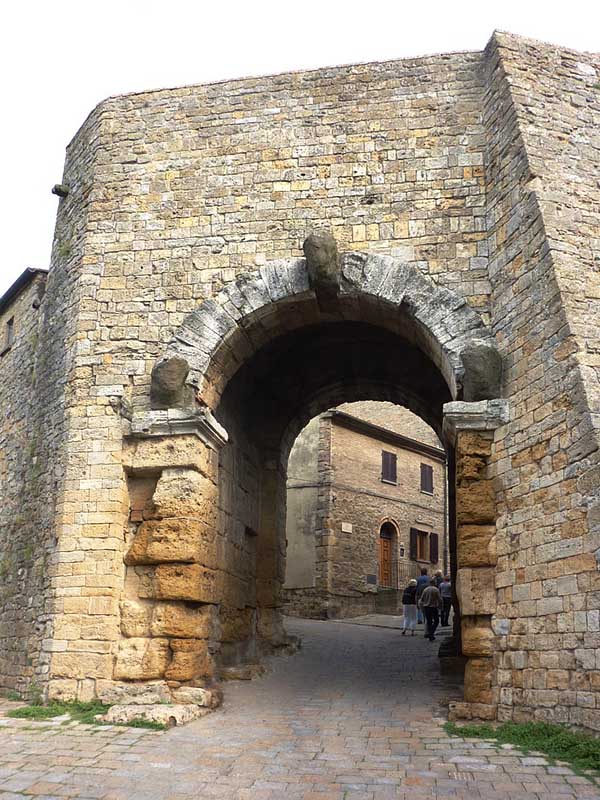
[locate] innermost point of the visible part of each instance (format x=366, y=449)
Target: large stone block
x=476, y=545
x=183, y=540
x=62, y=689
x=270, y=626
x=165, y=714
x=476, y=591
x=471, y=467
x=475, y=443
x=159, y=453
x=208, y=698
x=113, y=692
x=142, y=659
x=477, y=636
x=191, y=661
x=135, y=618
x=476, y=503
x=478, y=681
x=183, y=582
x=81, y=665
x=181, y=621
x=236, y=624
x=186, y=493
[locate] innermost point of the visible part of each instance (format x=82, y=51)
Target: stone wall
x=538, y=116
x=301, y=511
x=23, y=558
x=175, y=193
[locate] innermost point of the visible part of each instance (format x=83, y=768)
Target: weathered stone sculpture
x=168, y=388
x=483, y=372
x=323, y=265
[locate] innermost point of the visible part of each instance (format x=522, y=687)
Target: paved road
x=354, y=716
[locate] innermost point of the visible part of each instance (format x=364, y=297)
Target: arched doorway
x=388, y=555
x=271, y=352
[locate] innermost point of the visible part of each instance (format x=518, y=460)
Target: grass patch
x=146, y=723
x=581, y=751
x=79, y=712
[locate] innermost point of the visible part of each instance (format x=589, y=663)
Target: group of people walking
x=425, y=599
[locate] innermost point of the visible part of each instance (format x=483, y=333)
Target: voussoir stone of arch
x=222, y=332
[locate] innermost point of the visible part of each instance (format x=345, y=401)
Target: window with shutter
x=412, y=553
x=434, y=548
x=388, y=467
x=426, y=479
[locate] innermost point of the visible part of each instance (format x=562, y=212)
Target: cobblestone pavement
x=354, y=716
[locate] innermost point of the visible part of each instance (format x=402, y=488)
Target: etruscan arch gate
x=150, y=395
x=241, y=377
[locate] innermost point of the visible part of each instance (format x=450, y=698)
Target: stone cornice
x=485, y=415
x=179, y=422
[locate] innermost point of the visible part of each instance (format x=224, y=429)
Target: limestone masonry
x=151, y=394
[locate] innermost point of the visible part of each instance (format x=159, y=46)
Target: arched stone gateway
x=219, y=336
x=263, y=358
x=150, y=395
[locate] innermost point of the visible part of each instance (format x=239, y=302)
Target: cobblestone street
x=355, y=715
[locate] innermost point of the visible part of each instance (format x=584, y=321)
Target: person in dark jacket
x=422, y=584
x=431, y=603
x=409, y=607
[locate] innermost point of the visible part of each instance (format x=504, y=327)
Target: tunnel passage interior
x=264, y=406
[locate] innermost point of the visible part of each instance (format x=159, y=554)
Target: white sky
x=59, y=58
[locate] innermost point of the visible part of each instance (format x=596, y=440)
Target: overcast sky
x=59, y=59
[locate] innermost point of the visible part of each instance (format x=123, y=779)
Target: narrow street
x=355, y=715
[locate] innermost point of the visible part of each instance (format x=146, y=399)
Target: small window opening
x=9, y=334
x=388, y=467
x=426, y=478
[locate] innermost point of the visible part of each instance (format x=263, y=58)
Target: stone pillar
x=174, y=580
x=270, y=567
x=470, y=427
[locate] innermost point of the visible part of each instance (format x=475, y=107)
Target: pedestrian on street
x=422, y=584
x=409, y=607
x=431, y=603
x=439, y=577
x=445, y=588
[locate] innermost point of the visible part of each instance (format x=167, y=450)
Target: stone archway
x=222, y=333
x=263, y=357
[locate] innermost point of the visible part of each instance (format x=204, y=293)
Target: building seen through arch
x=371, y=477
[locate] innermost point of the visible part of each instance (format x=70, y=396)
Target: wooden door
x=385, y=558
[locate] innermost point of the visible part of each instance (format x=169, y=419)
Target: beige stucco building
x=373, y=477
